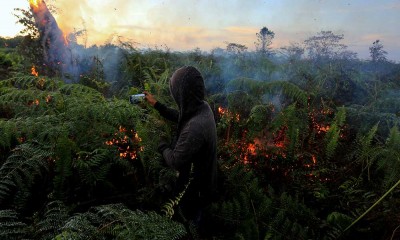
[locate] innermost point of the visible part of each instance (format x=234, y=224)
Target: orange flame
x=314, y=159
x=34, y=3
x=125, y=150
x=225, y=112
x=221, y=110
x=34, y=72
x=35, y=102
x=49, y=98
x=65, y=39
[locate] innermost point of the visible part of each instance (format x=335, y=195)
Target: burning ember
x=41, y=82
x=127, y=145
x=35, y=102
x=226, y=113
x=34, y=72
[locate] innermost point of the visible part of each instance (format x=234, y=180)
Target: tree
x=325, y=45
x=293, y=52
x=377, y=52
x=235, y=48
x=264, y=40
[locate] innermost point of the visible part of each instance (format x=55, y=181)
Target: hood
x=187, y=88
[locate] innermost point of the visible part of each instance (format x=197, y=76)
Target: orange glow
x=34, y=3
x=321, y=128
x=34, y=72
x=34, y=102
x=226, y=113
x=49, y=98
x=65, y=39
x=124, y=143
x=221, y=111
x=314, y=159
x=251, y=150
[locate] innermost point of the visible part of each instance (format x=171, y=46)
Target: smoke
x=51, y=37
x=185, y=25
x=63, y=53
x=103, y=20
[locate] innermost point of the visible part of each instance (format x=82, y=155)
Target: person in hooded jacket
x=196, y=141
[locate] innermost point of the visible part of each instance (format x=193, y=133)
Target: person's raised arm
x=166, y=112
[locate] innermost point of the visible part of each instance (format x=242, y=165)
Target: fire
x=314, y=159
x=34, y=3
x=249, y=151
x=321, y=129
x=65, y=39
x=226, y=113
x=34, y=72
x=124, y=143
x=221, y=111
x=49, y=98
x=35, y=102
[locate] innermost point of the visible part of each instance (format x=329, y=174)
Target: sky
x=188, y=24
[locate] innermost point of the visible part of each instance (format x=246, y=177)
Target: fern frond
x=168, y=208
x=333, y=134
x=53, y=219
x=118, y=222
x=7, y=129
x=79, y=90
x=63, y=164
x=389, y=157
x=27, y=162
x=289, y=89
x=10, y=226
x=93, y=167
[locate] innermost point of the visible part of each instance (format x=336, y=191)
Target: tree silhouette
x=377, y=52
x=264, y=40
x=325, y=45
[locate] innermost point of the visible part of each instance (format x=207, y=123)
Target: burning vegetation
x=307, y=142
x=128, y=143
x=52, y=39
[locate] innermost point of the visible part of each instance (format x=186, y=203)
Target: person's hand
x=149, y=98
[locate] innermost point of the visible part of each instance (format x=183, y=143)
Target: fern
x=28, y=162
x=119, y=222
x=367, y=152
x=77, y=89
x=260, y=117
x=11, y=227
x=93, y=167
x=168, y=208
x=63, y=165
x=7, y=136
x=289, y=89
x=333, y=134
x=23, y=81
x=389, y=157
x=291, y=220
x=53, y=219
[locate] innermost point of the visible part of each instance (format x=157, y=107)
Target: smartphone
x=136, y=98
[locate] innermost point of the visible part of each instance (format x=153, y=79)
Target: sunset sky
x=187, y=24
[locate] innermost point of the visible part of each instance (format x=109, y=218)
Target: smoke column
x=52, y=38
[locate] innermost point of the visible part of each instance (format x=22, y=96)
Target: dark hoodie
x=196, y=139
